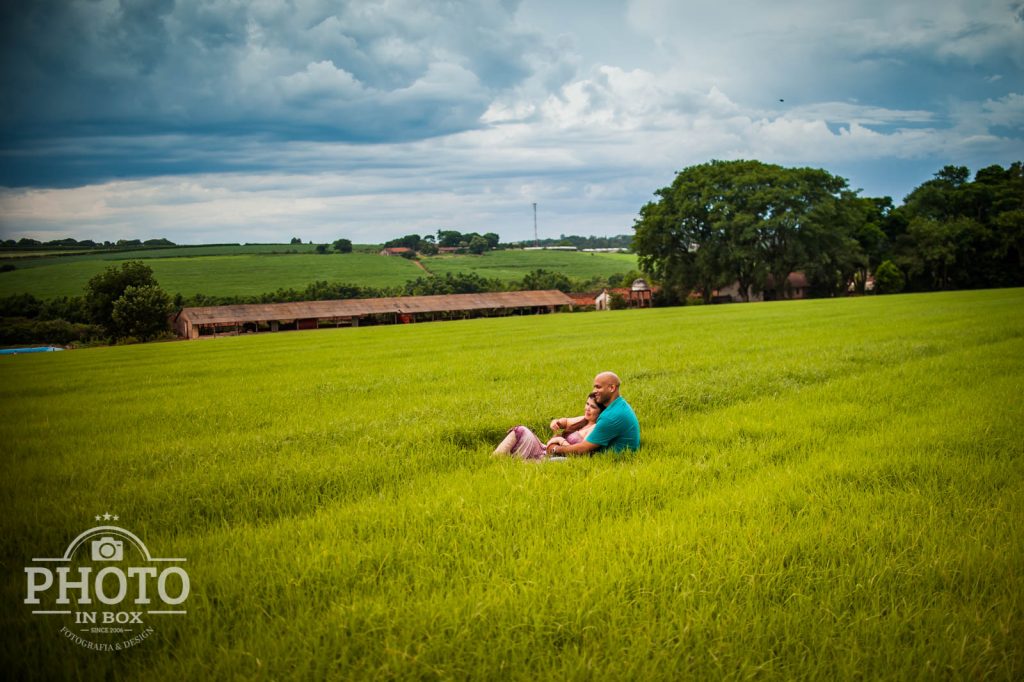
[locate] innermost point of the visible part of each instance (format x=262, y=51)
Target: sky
x=233, y=121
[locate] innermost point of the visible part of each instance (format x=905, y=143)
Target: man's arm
x=584, y=448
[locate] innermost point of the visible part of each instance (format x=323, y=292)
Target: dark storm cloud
x=339, y=71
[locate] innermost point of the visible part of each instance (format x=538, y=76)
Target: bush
x=617, y=302
x=16, y=331
x=889, y=279
x=69, y=308
x=20, y=305
x=543, y=280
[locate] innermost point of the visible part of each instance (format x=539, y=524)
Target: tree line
x=69, y=243
x=751, y=223
x=124, y=303
x=619, y=241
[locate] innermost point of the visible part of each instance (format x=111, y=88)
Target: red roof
x=797, y=280
x=585, y=298
x=356, y=307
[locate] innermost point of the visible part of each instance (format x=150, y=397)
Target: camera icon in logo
x=107, y=549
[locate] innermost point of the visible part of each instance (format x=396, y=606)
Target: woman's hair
x=579, y=424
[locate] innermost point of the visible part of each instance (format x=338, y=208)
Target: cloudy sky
x=227, y=120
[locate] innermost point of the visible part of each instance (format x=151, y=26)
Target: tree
x=678, y=239
x=888, y=278
x=141, y=312
x=321, y=248
x=625, y=279
x=295, y=240
x=544, y=280
x=449, y=238
x=745, y=222
x=869, y=230
x=343, y=245
x=478, y=245
x=962, y=234
x=409, y=241
x=104, y=289
x=461, y=283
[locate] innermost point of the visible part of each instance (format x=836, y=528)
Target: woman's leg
x=521, y=442
x=505, y=446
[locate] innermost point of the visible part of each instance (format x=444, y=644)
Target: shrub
x=889, y=279
x=20, y=305
x=20, y=330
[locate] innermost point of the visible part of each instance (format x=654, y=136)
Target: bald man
x=617, y=427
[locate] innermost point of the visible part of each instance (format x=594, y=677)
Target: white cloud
x=1006, y=111
x=321, y=80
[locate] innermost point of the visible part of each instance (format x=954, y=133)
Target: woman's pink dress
x=528, y=446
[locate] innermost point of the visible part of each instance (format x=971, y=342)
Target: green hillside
x=513, y=264
x=219, y=275
x=258, y=269
x=827, y=489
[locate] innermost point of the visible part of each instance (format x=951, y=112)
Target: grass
x=44, y=258
x=219, y=275
x=514, y=264
x=826, y=490
x=262, y=268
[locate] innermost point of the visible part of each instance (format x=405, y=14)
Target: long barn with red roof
x=192, y=323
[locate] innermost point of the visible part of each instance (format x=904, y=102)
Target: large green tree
x=141, y=313
x=105, y=288
x=958, y=233
x=747, y=222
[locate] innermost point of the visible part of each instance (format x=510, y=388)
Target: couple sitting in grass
x=608, y=422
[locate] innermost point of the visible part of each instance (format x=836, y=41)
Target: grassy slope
x=512, y=265
x=827, y=489
x=232, y=270
x=224, y=275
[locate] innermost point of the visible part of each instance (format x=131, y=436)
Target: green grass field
x=257, y=269
x=828, y=489
x=219, y=275
x=513, y=264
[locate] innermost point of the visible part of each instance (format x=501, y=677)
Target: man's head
x=606, y=388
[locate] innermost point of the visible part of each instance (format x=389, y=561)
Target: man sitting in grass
x=617, y=428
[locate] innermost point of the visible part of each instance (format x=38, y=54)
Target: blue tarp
x=39, y=349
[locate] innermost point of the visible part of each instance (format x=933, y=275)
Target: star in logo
x=106, y=516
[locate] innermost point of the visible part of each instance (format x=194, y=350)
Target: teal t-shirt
x=617, y=427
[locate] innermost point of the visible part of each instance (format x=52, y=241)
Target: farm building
x=639, y=294
x=396, y=251
x=191, y=323
x=796, y=287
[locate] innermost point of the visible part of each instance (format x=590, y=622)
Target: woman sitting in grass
x=522, y=442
